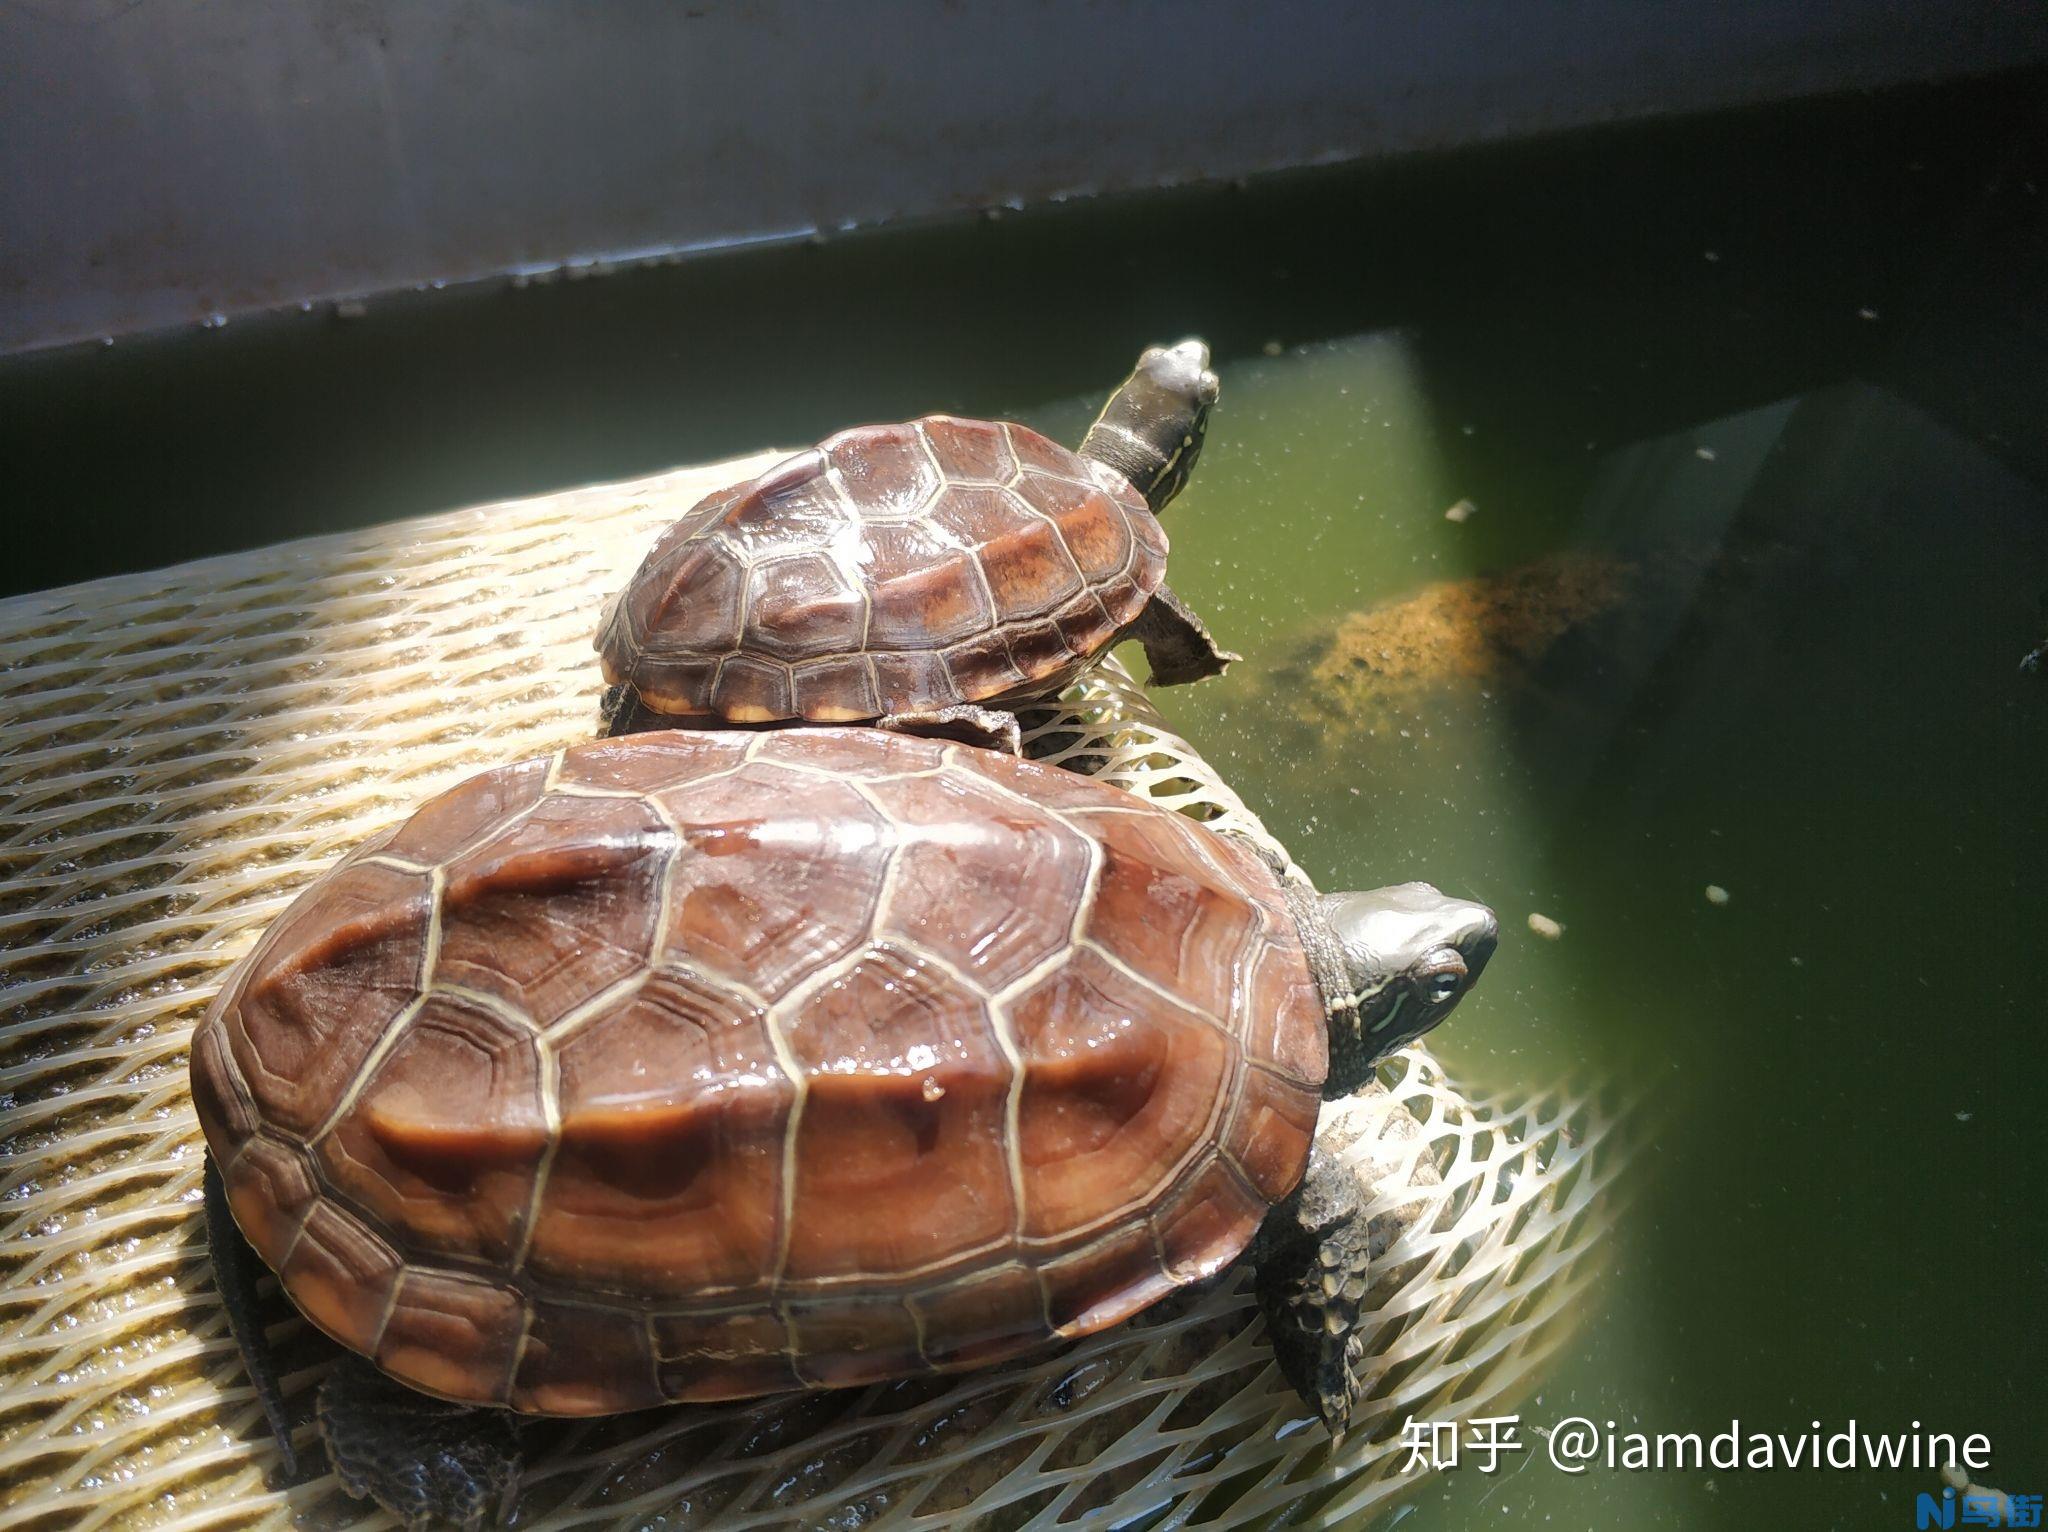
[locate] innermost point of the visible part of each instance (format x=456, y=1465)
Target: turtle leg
x=622, y=712
x=235, y=1270
x=1312, y=1271
x=1178, y=646
x=422, y=1459
x=991, y=728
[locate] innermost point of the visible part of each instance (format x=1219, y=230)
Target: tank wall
x=160, y=164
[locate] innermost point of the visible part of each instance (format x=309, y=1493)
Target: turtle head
x=1410, y=953
x=1151, y=430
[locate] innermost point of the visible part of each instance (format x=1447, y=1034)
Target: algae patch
x=1380, y=667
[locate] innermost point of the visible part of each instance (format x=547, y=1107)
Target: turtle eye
x=1442, y=988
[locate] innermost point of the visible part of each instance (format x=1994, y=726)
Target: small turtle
x=699, y=1065
x=909, y=574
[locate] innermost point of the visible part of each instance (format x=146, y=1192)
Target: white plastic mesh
x=180, y=752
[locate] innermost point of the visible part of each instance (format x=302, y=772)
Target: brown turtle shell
x=890, y=568
x=700, y=1065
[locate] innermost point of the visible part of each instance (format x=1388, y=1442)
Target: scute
x=1096, y=529
x=778, y=877
x=906, y=1088
x=447, y=1134
x=451, y=1333
x=850, y=1078
x=556, y=908
x=931, y=604
x=993, y=921
x=325, y=985
x=1175, y=919
x=984, y=543
x=971, y=451
x=692, y=600
x=1113, y=1112
x=802, y=605
x=888, y=471
x=667, y=1174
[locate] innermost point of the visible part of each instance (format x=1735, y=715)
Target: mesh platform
x=181, y=752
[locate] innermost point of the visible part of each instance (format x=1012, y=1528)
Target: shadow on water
x=1845, y=1216
x=1817, y=708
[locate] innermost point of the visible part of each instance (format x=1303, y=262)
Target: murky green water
x=1798, y=685
x=1750, y=412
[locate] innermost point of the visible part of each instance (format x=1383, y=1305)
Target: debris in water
x=1704, y=454
x=1272, y=348
x=351, y=308
x=1866, y=313
x=1716, y=894
x=1545, y=927
x=2036, y=661
x=1463, y=511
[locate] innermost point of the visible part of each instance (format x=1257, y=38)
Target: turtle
x=696, y=1065
x=925, y=576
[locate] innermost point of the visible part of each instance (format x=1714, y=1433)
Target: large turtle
x=697, y=1065
x=909, y=574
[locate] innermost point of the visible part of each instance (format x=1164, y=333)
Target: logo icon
x=1975, y=1508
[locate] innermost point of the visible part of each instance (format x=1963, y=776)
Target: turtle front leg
x=1312, y=1271
x=235, y=1270
x=991, y=728
x=1178, y=645
x=422, y=1459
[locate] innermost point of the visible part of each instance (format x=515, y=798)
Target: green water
x=1787, y=372
x=1818, y=711
x=1839, y=1213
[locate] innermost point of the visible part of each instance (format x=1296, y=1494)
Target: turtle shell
x=890, y=568
x=700, y=1065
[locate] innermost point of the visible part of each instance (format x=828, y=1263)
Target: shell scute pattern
x=723, y=1063
x=554, y=909
x=805, y=607
x=447, y=1134
x=1110, y=1104
x=887, y=1101
x=1001, y=558
x=673, y=1107
x=333, y=980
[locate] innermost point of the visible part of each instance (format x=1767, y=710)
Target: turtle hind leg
x=991, y=728
x=1313, y=1261
x=422, y=1459
x=235, y=1270
x=622, y=712
x=1178, y=645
